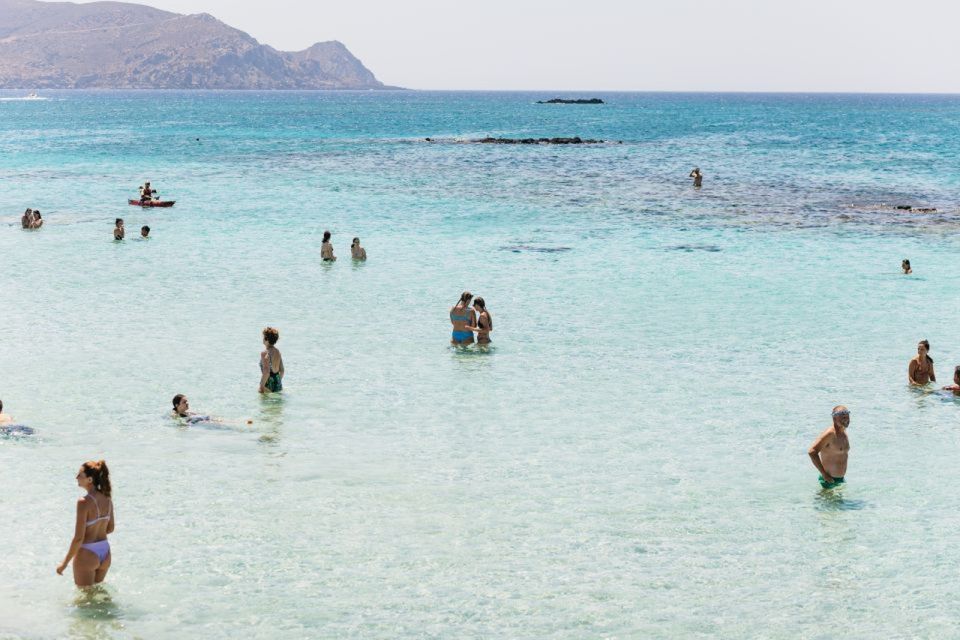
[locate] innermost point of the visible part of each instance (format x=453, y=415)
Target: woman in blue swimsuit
x=462, y=317
x=90, y=550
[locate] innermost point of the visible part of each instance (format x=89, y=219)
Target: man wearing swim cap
x=829, y=452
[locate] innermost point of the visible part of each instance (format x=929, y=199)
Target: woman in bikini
x=484, y=321
x=89, y=549
x=462, y=317
x=271, y=363
x=326, y=249
x=920, y=369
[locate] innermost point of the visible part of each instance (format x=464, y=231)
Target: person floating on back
x=697, y=177
x=905, y=265
x=118, y=230
x=181, y=409
x=829, y=452
x=920, y=370
x=271, y=363
x=147, y=193
x=89, y=549
x=462, y=317
x=326, y=249
x=356, y=251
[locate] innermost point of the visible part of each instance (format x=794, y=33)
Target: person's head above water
x=36, y=214
x=118, y=222
x=923, y=349
x=356, y=241
x=479, y=303
x=841, y=416
x=180, y=404
x=1, y=404
x=270, y=336
x=905, y=263
x=95, y=475
x=465, y=298
x=956, y=380
x=144, y=231
x=326, y=236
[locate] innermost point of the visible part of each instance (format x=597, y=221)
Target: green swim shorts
x=830, y=485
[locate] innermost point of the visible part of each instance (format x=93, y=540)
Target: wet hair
x=271, y=335
x=118, y=221
x=176, y=400
x=906, y=262
x=926, y=343
x=1, y=402
x=326, y=236
x=356, y=241
x=98, y=472
x=145, y=228
x=465, y=298
x=478, y=302
x=28, y=211
x=37, y=213
x=956, y=370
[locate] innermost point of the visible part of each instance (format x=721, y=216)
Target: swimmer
x=920, y=370
x=905, y=265
x=181, y=409
x=118, y=231
x=484, y=321
x=271, y=363
x=5, y=418
x=326, y=249
x=37, y=220
x=144, y=232
x=26, y=220
x=90, y=550
x=830, y=451
x=356, y=251
x=462, y=317
x=955, y=387
x=697, y=177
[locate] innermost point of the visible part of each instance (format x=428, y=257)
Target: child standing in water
x=271, y=363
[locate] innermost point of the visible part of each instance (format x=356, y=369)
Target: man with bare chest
x=829, y=452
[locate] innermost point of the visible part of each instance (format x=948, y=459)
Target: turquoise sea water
x=628, y=461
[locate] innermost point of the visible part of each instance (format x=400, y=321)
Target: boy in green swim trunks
x=829, y=452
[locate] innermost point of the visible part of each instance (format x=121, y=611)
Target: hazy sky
x=705, y=45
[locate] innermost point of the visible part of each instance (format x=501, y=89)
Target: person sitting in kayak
x=147, y=194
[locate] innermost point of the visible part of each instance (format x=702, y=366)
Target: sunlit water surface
x=628, y=460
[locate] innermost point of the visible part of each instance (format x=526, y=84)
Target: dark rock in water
x=689, y=248
x=519, y=248
x=574, y=140
x=907, y=207
x=904, y=207
x=571, y=101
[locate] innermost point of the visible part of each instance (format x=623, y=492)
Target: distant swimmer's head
x=465, y=298
x=326, y=236
x=36, y=214
x=180, y=405
x=28, y=211
x=923, y=349
x=95, y=475
x=270, y=336
x=956, y=379
x=841, y=416
x=119, y=222
x=144, y=231
x=1, y=402
x=356, y=242
x=479, y=303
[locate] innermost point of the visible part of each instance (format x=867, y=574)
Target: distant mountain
x=116, y=45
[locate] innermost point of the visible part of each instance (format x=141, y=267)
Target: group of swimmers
x=31, y=219
x=119, y=232
x=326, y=249
x=467, y=320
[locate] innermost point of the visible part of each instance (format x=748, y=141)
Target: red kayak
x=152, y=203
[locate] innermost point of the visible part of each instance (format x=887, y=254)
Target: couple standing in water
x=466, y=320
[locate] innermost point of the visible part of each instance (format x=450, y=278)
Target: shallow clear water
x=629, y=460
